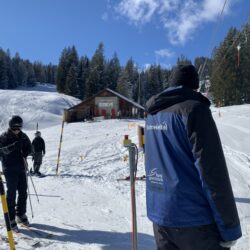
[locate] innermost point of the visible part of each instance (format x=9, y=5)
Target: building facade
x=107, y=104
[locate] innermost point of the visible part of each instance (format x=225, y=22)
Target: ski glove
x=228, y=244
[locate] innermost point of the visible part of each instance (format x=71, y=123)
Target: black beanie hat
x=185, y=75
x=16, y=122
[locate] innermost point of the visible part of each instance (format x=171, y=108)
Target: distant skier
x=38, y=145
x=15, y=147
x=189, y=194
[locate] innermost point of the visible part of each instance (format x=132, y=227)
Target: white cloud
x=105, y=16
x=180, y=18
x=147, y=66
x=164, y=53
x=137, y=11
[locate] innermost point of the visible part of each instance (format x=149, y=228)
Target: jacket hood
x=172, y=96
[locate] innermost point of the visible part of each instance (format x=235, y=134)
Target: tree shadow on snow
x=109, y=240
x=243, y=200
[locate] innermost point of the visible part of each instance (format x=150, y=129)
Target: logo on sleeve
x=160, y=126
x=155, y=177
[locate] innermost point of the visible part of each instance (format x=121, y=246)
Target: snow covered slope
x=85, y=207
x=39, y=104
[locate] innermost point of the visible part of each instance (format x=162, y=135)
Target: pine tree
x=112, y=72
x=91, y=82
x=50, y=73
x=39, y=71
x=3, y=70
x=166, y=76
x=83, y=74
x=18, y=69
x=127, y=81
x=244, y=62
x=96, y=82
x=30, y=74
x=12, y=81
x=62, y=71
x=123, y=83
x=224, y=80
x=182, y=60
x=71, y=87
x=154, y=81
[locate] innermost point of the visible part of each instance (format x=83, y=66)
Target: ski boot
x=23, y=219
x=14, y=226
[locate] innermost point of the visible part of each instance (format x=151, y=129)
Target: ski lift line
x=231, y=46
x=213, y=36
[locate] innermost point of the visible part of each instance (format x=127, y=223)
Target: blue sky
x=149, y=31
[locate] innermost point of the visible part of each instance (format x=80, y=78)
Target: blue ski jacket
x=187, y=180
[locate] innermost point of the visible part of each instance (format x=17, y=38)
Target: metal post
x=139, y=94
x=133, y=151
x=132, y=167
x=139, y=88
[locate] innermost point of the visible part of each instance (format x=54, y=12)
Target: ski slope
x=85, y=207
x=39, y=104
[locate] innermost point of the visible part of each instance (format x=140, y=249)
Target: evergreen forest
x=225, y=76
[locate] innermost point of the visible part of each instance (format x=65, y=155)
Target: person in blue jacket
x=189, y=195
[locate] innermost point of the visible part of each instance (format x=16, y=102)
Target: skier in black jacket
x=15, y=147
x=189, y=194
x=38, y=145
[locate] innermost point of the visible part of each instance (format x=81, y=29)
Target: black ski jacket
x=14, y=162
x=6, y=150
x=38, y=145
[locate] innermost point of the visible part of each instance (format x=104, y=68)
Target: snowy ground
x=85, y=207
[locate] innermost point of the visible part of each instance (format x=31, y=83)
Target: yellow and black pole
x=141, y=138
x=60, y=145
x=6, y=216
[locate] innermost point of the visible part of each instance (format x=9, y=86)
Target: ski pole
x=31, y=179
x=26, y=175
x=6, y=216
x=133, y=160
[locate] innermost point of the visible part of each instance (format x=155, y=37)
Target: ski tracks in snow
x=100, y=158
x=239, y=170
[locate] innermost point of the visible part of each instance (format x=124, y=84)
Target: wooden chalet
x=107, y=104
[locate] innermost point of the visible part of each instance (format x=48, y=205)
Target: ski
x=38, y=176
x=6, y=240
x=33, y=243
x=35, y=239
x=42, y=176
x=127, y=178
x=40, y=234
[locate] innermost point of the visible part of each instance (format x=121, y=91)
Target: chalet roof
x=113, y=92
